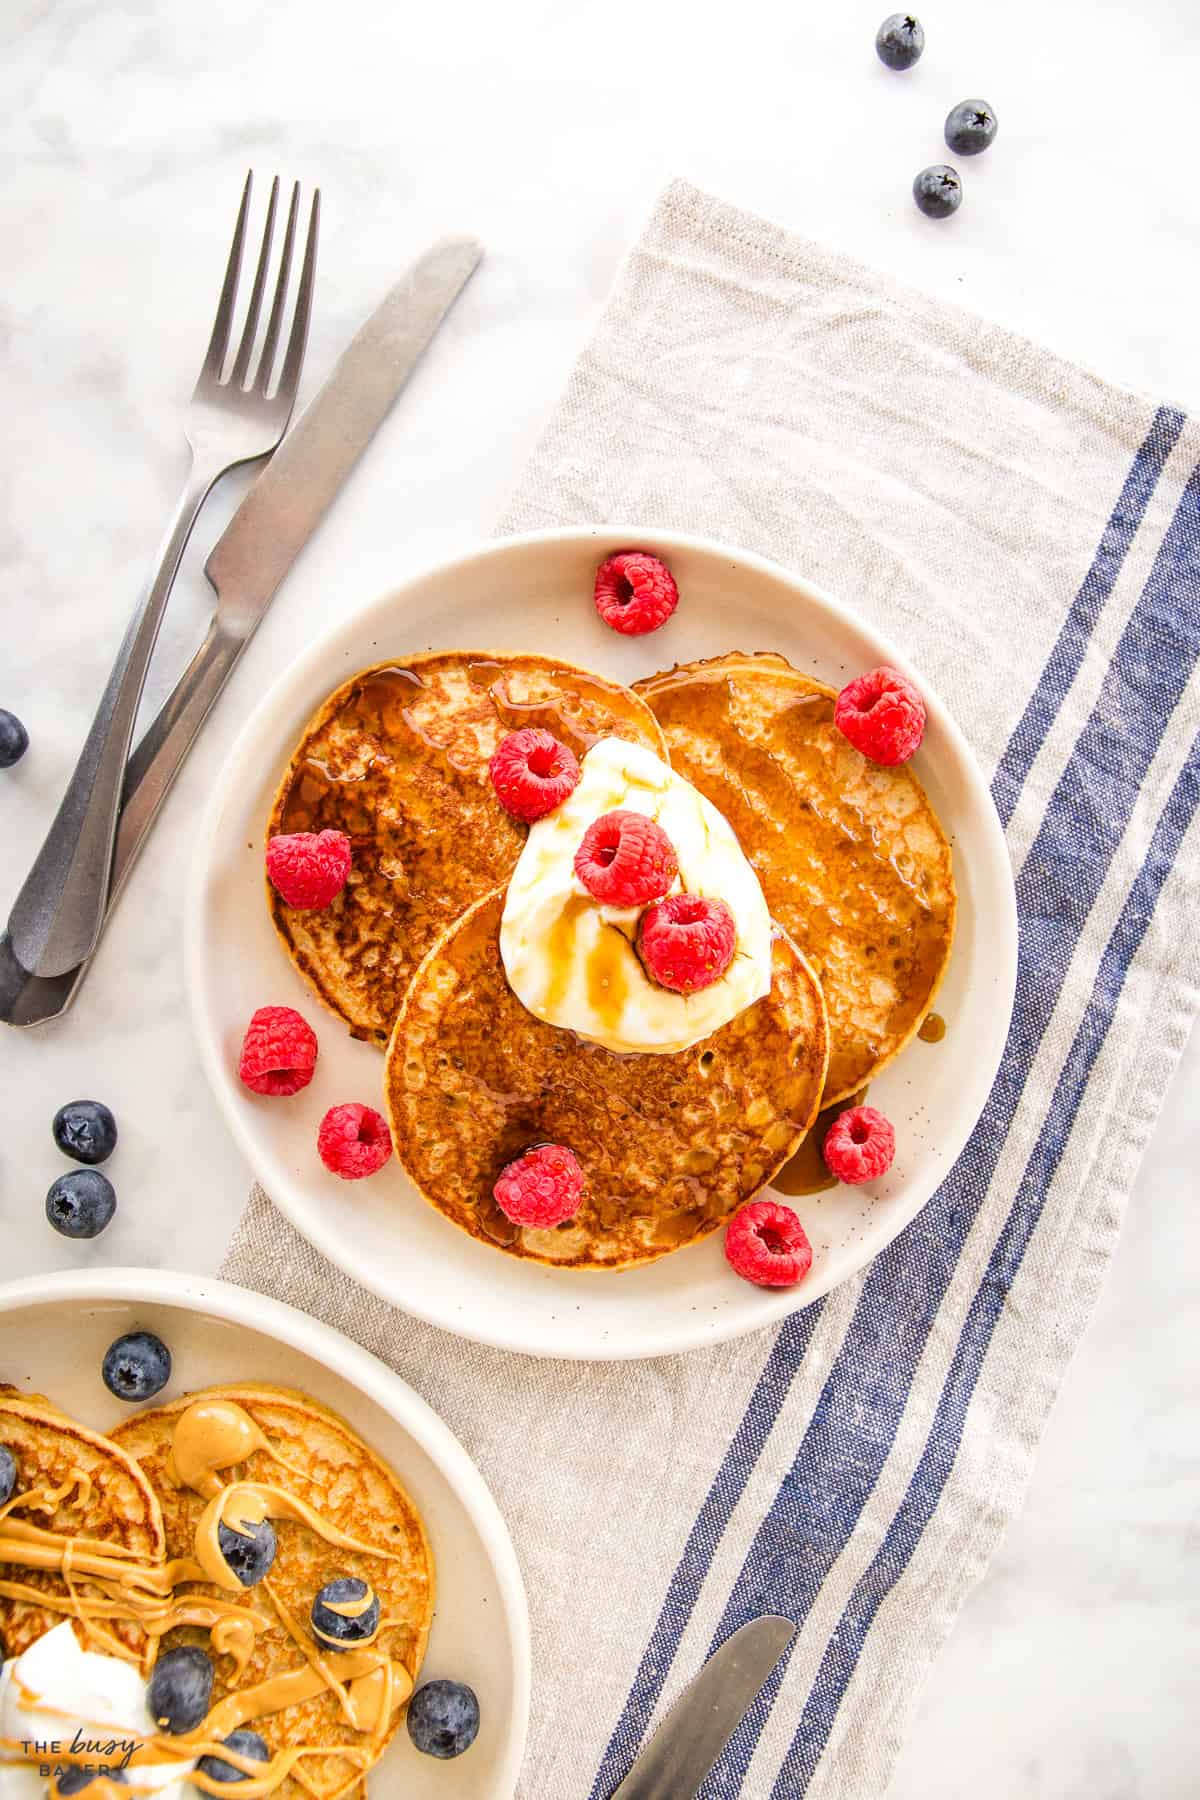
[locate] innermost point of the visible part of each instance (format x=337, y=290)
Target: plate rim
x=364, y=1371
x=681, y=1337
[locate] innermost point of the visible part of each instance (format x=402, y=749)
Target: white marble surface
x=126, y=129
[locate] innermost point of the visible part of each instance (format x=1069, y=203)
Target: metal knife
x=255, y=552
x=677, y=1760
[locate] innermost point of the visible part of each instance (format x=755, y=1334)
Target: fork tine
x=289, y=381
x=267, y=360
x=218, y=343
x=246, y=347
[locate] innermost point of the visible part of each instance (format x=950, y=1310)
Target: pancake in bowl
x=670, y=1145
x=397, y=758
x=852, y=859
x=342, y=1708
x=72, y=1485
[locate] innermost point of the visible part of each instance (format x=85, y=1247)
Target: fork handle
x=58, y=914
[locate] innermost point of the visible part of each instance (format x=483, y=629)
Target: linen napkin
x=1032, y=536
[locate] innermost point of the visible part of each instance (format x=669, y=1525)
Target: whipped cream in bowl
x=57, y=1695
x=572, y=961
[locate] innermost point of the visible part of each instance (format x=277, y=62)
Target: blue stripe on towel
x=843, y=1451
x=945, y=1434
x=736, y=1468
x=810, y=1523
x=1077, y=628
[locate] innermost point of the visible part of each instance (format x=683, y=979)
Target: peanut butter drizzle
x=345, y=1670
x=246, y=1504
x=210, y=1436
x=352, y=1609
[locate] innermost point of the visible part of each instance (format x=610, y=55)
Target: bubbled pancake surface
x=669, y=1145
x=354, y=1489
x=397, y=758
x=119, y=1509
x=852, y=859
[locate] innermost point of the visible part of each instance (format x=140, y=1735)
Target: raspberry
x=541, y=1188
x=635, y=593
x=279, y=1052
x=686, y=941
x=532, y=773
x=353, y=1141
x=859, y=1145
x=766, y=1243
x=308, y=869
x=883, y=715
x=625, y=859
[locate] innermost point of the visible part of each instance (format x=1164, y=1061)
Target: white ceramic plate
x=534, y=593
x=54, y=1331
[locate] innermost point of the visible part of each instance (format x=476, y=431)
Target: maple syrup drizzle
x=806, y=1172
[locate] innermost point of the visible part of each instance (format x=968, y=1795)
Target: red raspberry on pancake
x=686, y=941
x=532, y=773
x=542, y=1188
x=625, y=859
x=308, y=869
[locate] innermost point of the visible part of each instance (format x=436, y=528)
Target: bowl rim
x=363, y=1370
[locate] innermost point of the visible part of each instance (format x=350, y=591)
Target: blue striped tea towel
x=1032, y=536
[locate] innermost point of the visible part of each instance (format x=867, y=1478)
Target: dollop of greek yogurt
x=572, y=961
x=57, y=1693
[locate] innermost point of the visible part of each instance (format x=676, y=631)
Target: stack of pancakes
x=120, y=1495
x=854, y=865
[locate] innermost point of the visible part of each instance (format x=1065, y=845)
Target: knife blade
x=255, y=552
x=677, y=1760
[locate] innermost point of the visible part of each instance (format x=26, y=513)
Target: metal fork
x=58, y=914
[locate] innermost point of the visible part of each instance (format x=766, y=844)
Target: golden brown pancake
x=397, y=758
x=669, y=1145
x=103, y=1495
x=851, y=857
x=330, y=1468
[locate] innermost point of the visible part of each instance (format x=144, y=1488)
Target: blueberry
x=330, y=1627
x=900, y=41
x=180, y=1688
x=86, y=1131
x=137, y=1366
x=73, y=1781
x=248, y=1743
x=443, y=1718
x=8, y=1474
x=81, y=1204
x=14, y=739
x=938, y=191
x=970, y=127
x=249, y=1553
